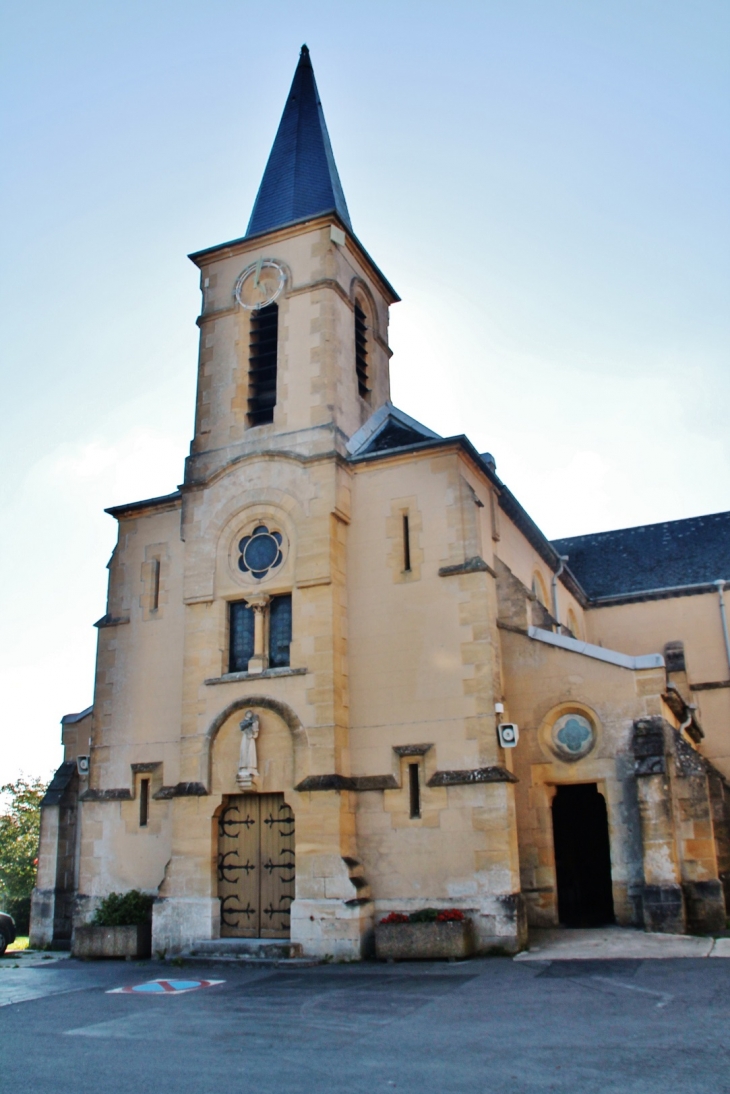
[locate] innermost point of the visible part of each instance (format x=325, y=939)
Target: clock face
x=260, y=284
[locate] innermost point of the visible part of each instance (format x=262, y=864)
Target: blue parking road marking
x=164, y=987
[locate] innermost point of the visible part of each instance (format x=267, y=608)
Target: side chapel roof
x=651, y=557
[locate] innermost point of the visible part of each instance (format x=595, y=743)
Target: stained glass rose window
x=260, y=552
x=573, y=736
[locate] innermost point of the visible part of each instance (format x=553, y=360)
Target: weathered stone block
x=663, y=907
x=95, y=942
x=705, y=903
x=424, y=941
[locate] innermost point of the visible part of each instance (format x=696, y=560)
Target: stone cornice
x=474, y=775
x=250, y=244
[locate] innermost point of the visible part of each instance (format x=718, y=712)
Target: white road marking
x=664, y=996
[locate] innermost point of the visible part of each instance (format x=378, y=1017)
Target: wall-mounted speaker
x=508, y=733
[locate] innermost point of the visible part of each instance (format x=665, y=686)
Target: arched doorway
x=582, y=856
x=256, y=866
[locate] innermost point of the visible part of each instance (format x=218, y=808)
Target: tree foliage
x=20, y=823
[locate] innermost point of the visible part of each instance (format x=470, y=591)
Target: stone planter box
x=424, y=941
x=94, y=942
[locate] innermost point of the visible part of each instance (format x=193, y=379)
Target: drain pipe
x=723, y=616
x=556, y=575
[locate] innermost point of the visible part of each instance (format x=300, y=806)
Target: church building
x=341, y=671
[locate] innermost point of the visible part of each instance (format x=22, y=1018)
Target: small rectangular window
x=406, y=543
x=155, y=581
x=144, y=802
x=241, y=627
x=414, y=783
x=280, y=628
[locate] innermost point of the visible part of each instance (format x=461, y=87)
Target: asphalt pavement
x=487, y=1025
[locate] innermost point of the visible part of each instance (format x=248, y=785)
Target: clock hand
x=258, y=273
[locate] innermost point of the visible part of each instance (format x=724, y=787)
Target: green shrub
x=426, y=915
x=124, y=909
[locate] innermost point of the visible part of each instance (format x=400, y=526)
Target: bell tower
x=294, y=324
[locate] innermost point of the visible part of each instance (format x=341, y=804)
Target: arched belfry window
x=362, y=364
x=262, y=365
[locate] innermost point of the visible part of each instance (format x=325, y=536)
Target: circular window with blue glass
x=260, y=552
x=573, y=736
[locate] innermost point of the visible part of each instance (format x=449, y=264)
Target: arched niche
x=282, y=738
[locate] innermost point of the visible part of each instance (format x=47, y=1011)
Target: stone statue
x=248, y=760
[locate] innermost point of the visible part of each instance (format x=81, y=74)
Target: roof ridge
x=637, y=527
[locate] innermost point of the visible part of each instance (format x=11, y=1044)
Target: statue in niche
x=247, y=759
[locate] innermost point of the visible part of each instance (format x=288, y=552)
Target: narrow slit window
x=361, y=353
x=155, y=590
x=144, y=802
x=280, y=630
x=406, y=543
x=241, y=630
x=262, y=365
x=414, y=784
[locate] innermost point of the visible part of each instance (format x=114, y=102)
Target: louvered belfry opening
x=361, y=352
x=262, y=365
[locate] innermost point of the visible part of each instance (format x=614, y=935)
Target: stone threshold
x=618, y=943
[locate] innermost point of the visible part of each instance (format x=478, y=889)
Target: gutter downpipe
x=554, y=583
x=723, y=617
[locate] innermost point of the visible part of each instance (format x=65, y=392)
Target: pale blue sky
x=544, y=183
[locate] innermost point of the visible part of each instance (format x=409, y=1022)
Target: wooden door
x=256, y=866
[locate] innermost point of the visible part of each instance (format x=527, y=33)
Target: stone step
x=246, y=960
x=269, y=948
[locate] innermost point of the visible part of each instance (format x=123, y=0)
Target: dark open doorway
x=582, y=856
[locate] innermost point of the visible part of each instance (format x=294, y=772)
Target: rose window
x=261, y=552
x=573, y=736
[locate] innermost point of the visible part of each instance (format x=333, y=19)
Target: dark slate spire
x=300, y=179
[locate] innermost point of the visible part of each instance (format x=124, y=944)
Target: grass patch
x=21, y=943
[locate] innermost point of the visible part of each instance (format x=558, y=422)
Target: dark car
x=7, y=931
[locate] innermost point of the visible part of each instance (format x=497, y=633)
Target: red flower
x=450, y=915
x=395, y=917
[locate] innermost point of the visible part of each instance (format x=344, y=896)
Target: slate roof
x=386, y=429
x=672, y=554
x=300, y=180
x=59, y=784
x=72, y=719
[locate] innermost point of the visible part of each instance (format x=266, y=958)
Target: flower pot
x=424, y=941
x=93, y=941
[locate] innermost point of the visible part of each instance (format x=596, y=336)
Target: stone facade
x=420, y=620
